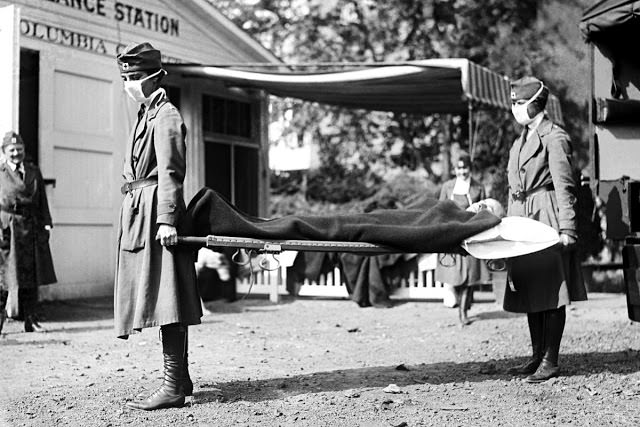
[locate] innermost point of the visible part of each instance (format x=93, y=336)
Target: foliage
x=357, y=149
x=400, y=188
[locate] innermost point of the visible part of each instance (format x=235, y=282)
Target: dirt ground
x=324, y=363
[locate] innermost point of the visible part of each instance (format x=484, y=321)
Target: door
x=9, y=67
x=81, y=144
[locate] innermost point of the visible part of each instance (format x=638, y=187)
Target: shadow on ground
x=77, y=310
x=621, y=362
x=498, y=314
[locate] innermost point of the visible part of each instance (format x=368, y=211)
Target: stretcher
x=432, y=227
x=514, y=236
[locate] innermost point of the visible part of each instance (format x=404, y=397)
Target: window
x=226, y=116
x=232, y=150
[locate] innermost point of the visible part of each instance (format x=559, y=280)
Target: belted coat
x=551, y=278
x=25, y=255
x=154, y=285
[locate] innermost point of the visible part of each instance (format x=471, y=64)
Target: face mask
x=134, y=88
x=521, y=111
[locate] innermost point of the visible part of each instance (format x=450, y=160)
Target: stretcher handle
x=277, y=246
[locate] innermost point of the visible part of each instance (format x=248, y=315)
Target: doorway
x=28, y=102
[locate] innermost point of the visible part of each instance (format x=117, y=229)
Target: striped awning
x=426, y=87
x=608, y=15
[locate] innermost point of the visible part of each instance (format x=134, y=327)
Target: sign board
x=9, y=67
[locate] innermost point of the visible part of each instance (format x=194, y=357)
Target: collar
x=156, y=100
x=461, y=186
x=535, y=123
x=546, y=126
x=13, y=166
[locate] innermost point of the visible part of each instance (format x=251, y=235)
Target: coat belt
x=128, y=187
x=522, y=195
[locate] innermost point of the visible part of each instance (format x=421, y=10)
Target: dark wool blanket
x=438, y=226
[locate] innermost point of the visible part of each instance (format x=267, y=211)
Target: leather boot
x=187, y=384
x=31, y=324
x=29, y=300
x=4, y=295
x=170, y=393
x=536, y=330
x=554, y=327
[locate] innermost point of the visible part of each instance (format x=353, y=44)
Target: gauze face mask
x=520, y=111
x=134, y=87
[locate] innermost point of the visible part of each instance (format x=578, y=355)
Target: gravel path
x=326, y=363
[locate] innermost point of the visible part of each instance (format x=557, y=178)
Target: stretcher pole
x=277, y=246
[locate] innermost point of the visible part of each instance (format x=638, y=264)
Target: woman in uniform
x=542, y=187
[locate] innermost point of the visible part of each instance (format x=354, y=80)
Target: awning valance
x=425, y=87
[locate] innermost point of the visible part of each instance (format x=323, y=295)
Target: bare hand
x=167, y=235
x=567, y=240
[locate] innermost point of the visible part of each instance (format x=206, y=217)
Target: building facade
x=70, y=108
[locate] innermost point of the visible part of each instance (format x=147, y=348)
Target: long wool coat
x=154, y=285
x=24, y=211
x=459, y=270
x=551, y=278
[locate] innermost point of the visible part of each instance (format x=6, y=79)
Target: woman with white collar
x=459, y=272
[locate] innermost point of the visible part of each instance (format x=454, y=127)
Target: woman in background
x=459, y=272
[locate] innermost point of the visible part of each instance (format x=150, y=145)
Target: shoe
x=463, y=320
x=545, y=371
x=535, y=322
x=31, y=324
x=162, y=398
x=526, y=368
x=170, y=394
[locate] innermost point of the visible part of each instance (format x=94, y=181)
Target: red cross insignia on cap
x=125, y=66
x=14, y=140
x=513, y=94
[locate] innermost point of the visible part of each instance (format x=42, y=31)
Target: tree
x=358, y=149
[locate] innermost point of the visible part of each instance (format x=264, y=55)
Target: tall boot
x=28, y=302
x=170, y=393
x=4, y=295
x=187, y=384
x=554, y=327
x=536, y=323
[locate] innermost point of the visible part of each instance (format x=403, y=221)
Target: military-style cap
x=526, y=88
x=11, y=138
x=139, y=57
